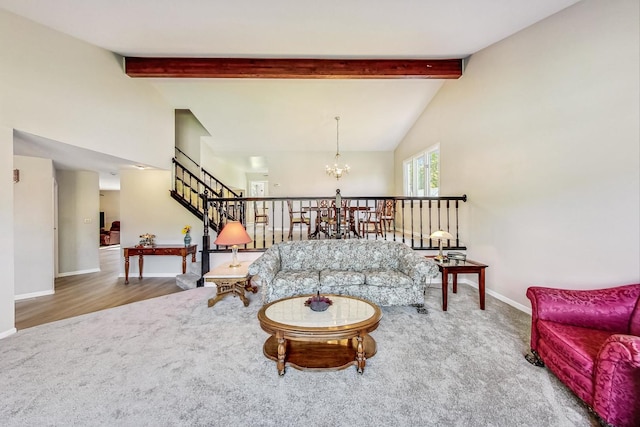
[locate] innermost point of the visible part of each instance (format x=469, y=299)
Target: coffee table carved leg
x=282, y=349
x=360, y=359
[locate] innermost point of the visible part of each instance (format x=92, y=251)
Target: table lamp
x=440, y=235
x=233, y=234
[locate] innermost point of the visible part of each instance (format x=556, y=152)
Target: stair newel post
x=205, y=239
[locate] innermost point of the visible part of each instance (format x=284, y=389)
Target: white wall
x=147, y=207
x=295, y=173
x=58, y=87
x=63, y=89
x=33, y=228
x=189, y=132
x=7, y=312
x=232, y=176
x=78, y=222
x=542, y=133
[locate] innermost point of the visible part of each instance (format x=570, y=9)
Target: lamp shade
x=440, y=235
x=233, y=234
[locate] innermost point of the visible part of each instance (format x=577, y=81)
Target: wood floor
x=86, y=293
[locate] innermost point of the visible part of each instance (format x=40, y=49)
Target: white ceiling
x=251, y=116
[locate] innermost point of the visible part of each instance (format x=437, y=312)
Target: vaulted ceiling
x=253, y=116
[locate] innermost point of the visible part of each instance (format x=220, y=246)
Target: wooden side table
x=142, y=251
x=230, y=280
x=460, y=267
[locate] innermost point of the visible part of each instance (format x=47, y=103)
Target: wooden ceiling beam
x=289, y=68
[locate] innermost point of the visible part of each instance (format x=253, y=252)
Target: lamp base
x=440, y=257
x=234, y=260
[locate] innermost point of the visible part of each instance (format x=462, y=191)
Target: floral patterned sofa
x=386, y=273
x=590, y=339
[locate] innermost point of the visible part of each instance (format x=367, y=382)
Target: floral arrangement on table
x=318, y=302
x=147, y=240
x=187, y=237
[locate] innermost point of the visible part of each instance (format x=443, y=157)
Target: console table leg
x=140, y=264
x=126, y=270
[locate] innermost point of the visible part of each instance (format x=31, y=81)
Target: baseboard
x=496, y=295
x=145, y=275
x=75, y=273
x=33, y=295
x=8, y=333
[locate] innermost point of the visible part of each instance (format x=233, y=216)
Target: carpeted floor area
x=171, y=361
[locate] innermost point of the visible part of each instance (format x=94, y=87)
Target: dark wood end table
x=454, y=268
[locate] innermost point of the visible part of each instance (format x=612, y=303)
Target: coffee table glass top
x=343, y=311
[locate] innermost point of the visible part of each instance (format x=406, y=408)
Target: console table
x=460, y=267
x=142, y=251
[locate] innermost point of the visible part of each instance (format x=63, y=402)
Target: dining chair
x=388, y=215
x=343, y=219
x=260, y=214
x=372, y=221
x=297, y=218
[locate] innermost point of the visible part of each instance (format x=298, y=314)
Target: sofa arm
x=605, y=309
x=266, y=266
x=418, y=268
x=617, y=380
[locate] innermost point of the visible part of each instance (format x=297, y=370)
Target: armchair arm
x=605, y=309
x=617, y=380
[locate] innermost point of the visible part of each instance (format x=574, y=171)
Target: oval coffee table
x=320, y=340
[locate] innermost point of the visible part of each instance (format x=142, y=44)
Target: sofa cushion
x=349, y=254
x=577, y=346
x=383, y=277
x=296, y=282
x=340, y=278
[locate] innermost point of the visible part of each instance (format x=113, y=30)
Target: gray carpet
x=171, y=361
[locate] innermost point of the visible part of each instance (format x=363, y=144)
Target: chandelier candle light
x=233, y=234
x=336, y=170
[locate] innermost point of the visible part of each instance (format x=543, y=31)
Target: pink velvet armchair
x=590, y=339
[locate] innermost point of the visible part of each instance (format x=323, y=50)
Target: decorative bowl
x=318, y=303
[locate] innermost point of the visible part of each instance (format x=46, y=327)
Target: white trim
x=74, y=273
x=8, y=333
x=33, y=295
x=145, y=275
x=496, y=295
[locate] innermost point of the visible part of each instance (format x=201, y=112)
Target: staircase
x=190, y=279
x=189, y=190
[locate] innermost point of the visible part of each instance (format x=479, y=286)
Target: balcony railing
x=270, y=220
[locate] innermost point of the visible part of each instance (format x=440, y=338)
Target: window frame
x=410, y=166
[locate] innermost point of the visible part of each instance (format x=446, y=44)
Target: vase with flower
x=187, y=237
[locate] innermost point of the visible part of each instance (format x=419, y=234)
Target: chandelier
x=336, y=170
